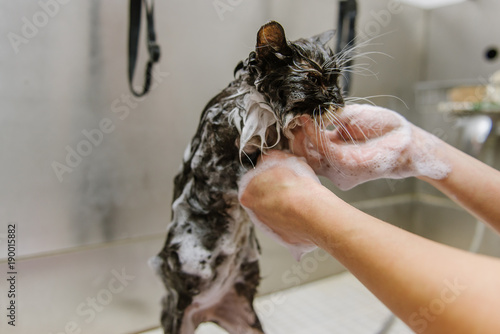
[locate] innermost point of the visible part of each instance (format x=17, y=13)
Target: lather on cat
x=209, y=263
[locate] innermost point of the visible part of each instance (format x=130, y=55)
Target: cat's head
x=296, y=78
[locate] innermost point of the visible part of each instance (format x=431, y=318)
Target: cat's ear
x=324, y=37
x=271, y=42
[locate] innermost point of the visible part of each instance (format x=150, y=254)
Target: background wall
x=458, y=37
x=457, y=40
x=87, y=224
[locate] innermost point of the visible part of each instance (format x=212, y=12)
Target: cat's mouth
x=328, y=117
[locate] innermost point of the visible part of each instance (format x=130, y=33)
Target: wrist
x=321, y=214
x=429, y=156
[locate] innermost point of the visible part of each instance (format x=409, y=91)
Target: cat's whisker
x=346, y=58
x=329, y=155
x=365, y=72
x=356, y=66
x=344, y=131
x=354, y=45
x=358, y=99
x=251, y=162
x=367, y=99
x=343, y=75
x=350, y=48
x=322, y=122
x=365, y=56
x=319, y=132
x=360, y=69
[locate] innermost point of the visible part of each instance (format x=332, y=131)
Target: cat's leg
x=236, y=315
x=175, y=317
x=235, y=312
x=181, y=290
x=171, y=316
x=183, y=309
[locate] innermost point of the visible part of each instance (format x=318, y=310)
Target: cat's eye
x=314, y=78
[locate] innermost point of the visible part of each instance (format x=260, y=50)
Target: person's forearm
x=432, y=287
x=472, y=184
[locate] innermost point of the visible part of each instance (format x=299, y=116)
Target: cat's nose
x=323, y=95
x=337, y=98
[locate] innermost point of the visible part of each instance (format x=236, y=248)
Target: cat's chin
x=324, y=121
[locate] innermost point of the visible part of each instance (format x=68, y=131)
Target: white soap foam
x=424, y=158
x=402, y=152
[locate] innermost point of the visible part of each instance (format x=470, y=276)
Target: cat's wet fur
x=209, y=263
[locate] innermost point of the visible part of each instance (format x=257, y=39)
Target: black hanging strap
x=346, y=33
x=133, y=42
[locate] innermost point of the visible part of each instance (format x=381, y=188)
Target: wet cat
x=209, y=263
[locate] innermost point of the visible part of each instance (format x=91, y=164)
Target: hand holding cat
x=286, y=179
x=368, y=143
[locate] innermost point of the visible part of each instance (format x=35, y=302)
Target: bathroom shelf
x=470, y=109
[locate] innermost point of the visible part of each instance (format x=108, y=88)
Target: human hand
x=368, y=143
x=273, y=195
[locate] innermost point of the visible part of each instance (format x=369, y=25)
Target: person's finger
x=359, y=123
